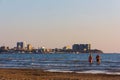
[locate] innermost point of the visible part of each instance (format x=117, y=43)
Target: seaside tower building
x=21, y=45
x=29, y=47
x=82, y=48
x=75, y=47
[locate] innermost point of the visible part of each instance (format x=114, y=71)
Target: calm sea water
x=110, y=63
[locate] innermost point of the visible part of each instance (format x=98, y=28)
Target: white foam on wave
x=115, y=73
x=56, y=70
x=92, y=71
x=86, y=72
x=100, y=72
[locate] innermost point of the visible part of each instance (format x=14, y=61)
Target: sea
x=59, y=62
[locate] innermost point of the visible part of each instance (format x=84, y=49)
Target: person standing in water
x=90, y=59
x=98, y=59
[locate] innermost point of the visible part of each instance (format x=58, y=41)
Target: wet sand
x=37, y=74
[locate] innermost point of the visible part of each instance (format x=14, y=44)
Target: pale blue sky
x=55, y=23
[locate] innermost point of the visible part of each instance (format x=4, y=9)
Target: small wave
x=111, y=61
x=20, y=60
x=56, y=70
x=92, y=71
x=86, y=72
x=100, y=72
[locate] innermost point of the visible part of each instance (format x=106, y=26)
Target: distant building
x=66, y=47
x=21, y=45
x=42, y=50
x=4, y=49
x=29, y=47
x=82, y=48
x=76, y=47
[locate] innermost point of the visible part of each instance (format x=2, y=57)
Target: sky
x=57, y=23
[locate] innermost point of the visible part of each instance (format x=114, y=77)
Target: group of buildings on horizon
x=22, y=47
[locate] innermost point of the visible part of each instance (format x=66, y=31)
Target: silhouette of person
x=90, y=59
x=98, y=59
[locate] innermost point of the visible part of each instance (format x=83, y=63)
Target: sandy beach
x=37, y=74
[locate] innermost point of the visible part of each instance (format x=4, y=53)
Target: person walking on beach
x=98, y=59
x=90, y=59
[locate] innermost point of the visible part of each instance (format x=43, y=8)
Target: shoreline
x=39, y=74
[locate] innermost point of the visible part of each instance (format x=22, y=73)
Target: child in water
x=90, y=59
x=98, y=59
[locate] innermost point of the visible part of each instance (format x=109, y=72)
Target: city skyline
x=56, y=23
x=23, y=44
x=24, y=47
